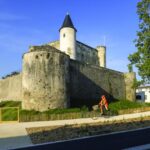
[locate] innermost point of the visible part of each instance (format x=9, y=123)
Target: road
x=107, y=142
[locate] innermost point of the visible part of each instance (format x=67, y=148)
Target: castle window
x=64, y=35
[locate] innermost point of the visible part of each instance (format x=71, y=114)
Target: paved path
x=14, y=135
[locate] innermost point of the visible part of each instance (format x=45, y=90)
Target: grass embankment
x=115, y=108
x=9, y=110
x=125, y=107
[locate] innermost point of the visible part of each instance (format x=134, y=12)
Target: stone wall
x=88, y=83
x=87, y=54
x=84, y=53
x=11, y=88
x=45, y=79
x=55, y=44
x=51, y=80
x=129, y=83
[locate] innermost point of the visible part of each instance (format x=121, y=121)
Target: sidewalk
x=14, y=135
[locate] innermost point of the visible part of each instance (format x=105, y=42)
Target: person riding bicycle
x=103, y=103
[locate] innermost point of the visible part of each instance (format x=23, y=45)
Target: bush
x=116, y=106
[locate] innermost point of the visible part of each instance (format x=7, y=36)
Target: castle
x=66, y=73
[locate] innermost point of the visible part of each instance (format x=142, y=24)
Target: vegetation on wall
x=141, y=58
x=11, y=74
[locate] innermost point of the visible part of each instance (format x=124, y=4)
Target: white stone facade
x=102, y=55
x=85, y=53
x=68, y=42
x=78, y=50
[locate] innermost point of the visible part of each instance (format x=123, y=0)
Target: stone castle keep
x=66, y=73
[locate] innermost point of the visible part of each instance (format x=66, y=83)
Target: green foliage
x=130, y=68
x=71, y=113
x=125, y=104
x=10, y=114
x=141, y=58
x=62, y=111
x=136, y=83
x=10, y=104
x=29, y=112
x=84, y=108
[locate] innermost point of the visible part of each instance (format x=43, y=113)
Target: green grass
x=32, y=115
x=10, y=114
x=116, y=106
x=54, y=114
x=71, y=113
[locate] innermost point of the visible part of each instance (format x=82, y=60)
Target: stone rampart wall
x=49, y=80
x=11, y=88
x=88, y=83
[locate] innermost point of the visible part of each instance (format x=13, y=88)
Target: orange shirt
x=103, y=101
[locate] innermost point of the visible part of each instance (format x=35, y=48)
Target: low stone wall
x=11, y=88
x=88, y=83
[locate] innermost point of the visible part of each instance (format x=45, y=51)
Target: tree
x=141, y=58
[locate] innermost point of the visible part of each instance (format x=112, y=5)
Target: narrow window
x=64, y=35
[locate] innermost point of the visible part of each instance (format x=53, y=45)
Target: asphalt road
x=107, y=142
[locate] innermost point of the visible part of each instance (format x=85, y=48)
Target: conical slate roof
x=67, y=23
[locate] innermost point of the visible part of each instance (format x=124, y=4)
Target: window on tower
x=64, y=35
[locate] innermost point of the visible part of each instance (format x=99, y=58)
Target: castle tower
x=102, y=55
x=68, y=37
x=45, y=79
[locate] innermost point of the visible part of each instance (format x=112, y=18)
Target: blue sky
x=35, y=22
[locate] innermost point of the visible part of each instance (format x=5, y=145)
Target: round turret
x=45, y=79
x=68, y=38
